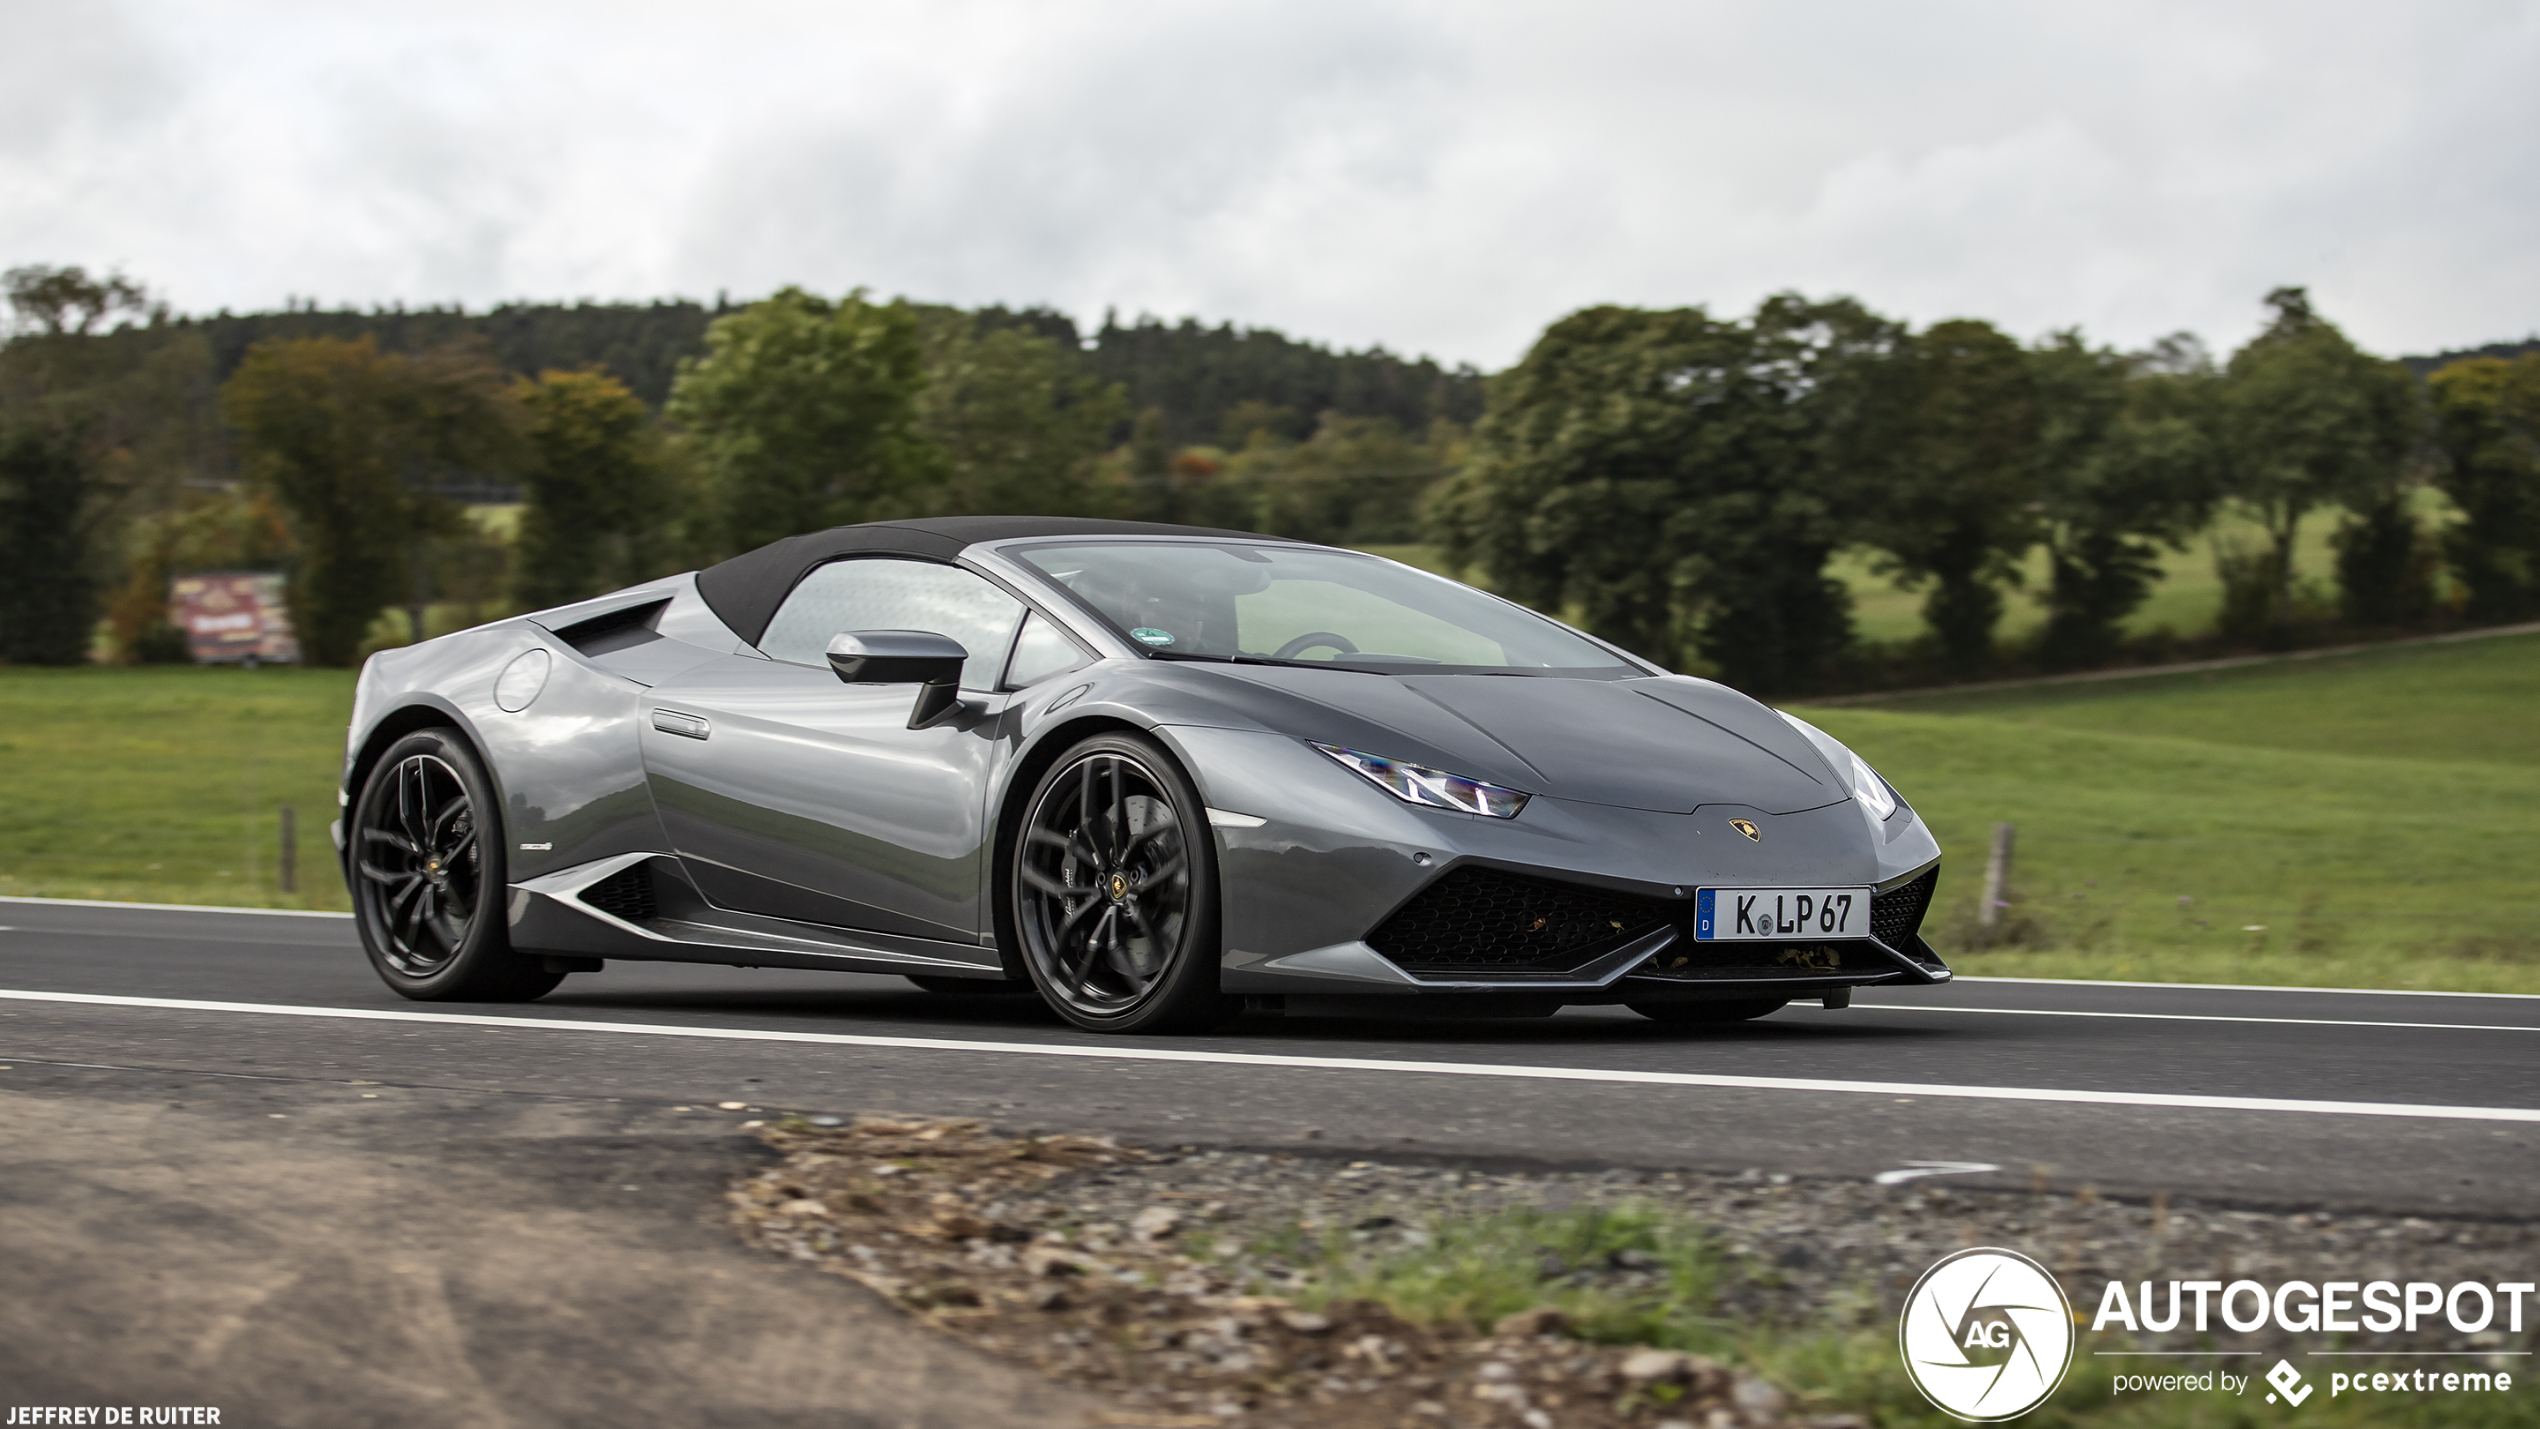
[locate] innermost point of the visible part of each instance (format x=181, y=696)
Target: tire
x=1113, y=891
x=968, y=986
x=427, y=871
x=1697, y=1014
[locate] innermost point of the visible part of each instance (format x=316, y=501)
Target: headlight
x=1855, y=772
x=1434, y=788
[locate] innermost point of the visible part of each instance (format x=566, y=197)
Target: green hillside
x=2358, y=821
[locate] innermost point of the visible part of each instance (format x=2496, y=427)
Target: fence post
x=1997, y=876
x=287, y=875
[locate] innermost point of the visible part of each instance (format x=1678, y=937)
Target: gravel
x=1155, y=1275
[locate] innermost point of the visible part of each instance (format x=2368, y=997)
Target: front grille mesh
x=1480, y=920
x=627, y=894
x=1897, y=915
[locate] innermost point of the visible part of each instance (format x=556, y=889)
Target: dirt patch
x=1017, y=1246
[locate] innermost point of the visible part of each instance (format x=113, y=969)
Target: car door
x=789, y=793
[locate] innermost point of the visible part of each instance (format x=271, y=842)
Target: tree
x=2387, y=563
x=1016, y=421
x=1199, y=377
x=2309, y=420
x=2125, y=464
x=1152, y=493
x=1674, y=478
x=2487, y=425
x=594, y=501
x=1356, y=481
x=356, y=444
x=805, y=411
x=48, y=597
x=1953, y=449
x=66, y=302
x=91, y=421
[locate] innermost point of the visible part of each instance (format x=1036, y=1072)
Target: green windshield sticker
x=1153, y=636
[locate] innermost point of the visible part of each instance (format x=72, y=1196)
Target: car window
x=1041, y=651
x=1309, y=604
x=881, y=593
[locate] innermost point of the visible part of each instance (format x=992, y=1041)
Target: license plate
x=1739, y=915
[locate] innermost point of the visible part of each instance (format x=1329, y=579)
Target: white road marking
x=245, y=937
x=175, y=907
x=1319, y=1064
x=2247, y=987
x=1914, y=1169
x=2192, y=1017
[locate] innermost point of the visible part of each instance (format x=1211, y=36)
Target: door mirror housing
x=922, y=658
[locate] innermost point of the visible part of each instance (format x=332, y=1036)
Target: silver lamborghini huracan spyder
x=1151, y=773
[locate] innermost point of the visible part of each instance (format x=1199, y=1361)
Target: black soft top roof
x=744, y=591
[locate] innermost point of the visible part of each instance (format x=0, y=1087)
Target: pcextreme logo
x=1987, y=1334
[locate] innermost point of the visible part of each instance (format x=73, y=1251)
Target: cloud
x=72, y=73
x=1436, y=177
x=1125, y=166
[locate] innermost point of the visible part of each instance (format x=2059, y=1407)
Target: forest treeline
x=1676, y=481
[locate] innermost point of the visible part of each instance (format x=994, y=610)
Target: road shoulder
x=297, y=1255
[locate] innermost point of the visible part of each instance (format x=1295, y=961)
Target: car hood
x=1667, y=744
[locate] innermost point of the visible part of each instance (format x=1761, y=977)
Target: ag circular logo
x=1987, y=1334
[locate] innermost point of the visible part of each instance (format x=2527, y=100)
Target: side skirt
x=642, y=907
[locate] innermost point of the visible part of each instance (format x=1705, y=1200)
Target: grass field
x=163, y=784
x=2358, y=821
x=2363, y=821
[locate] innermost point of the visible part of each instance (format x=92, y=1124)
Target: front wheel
x=1698, y=1014
x=1114, y=892
x=426, y=866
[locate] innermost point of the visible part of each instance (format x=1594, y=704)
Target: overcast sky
x=1437, y=177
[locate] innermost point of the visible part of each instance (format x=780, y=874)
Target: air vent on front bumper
x=1689, y=961
x=626, y=895
x=1479, y=921
x=1897, y=915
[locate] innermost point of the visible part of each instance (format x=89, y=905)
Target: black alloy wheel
x=1115, y=891
x=1698, y=1014
x=426, y=867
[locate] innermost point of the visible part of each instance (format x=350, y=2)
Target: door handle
x=677, y=722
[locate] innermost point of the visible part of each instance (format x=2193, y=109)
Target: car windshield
x=1310, y=605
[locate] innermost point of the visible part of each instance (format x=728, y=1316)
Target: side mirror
x=903, y=657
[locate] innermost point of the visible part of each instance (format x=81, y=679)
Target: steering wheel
x=1310, y=640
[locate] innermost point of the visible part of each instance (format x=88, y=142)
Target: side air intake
x=626, y=895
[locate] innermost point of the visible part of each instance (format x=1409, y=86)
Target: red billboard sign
x=233, y=617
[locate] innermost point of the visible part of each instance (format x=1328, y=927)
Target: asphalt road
x=2264, y=1097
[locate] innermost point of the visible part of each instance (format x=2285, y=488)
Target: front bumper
x=1325, y=895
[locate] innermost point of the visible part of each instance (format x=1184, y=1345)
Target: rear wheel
x=1693, y=1014
x=427, y=876
x=1114, y=893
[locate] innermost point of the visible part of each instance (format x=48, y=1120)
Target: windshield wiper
x=1218, y=659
